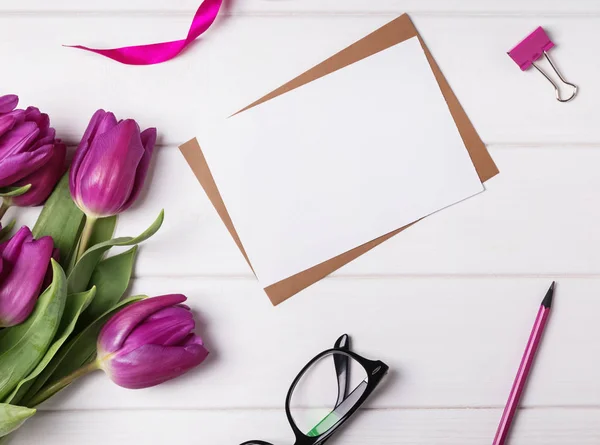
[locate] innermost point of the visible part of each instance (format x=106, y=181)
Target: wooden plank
x=330, y=6
x=239, y=60
x=449, y=343
x=537, y=217
x=373, y=427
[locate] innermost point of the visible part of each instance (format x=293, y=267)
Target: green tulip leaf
x=12, y=417
x=13, y=192
x=5, y=231
x=79, y=278
x=111, y=278
x=77, y=352
x=74, y=306
x=23, y=346
x=103, y=230
x=62, y=220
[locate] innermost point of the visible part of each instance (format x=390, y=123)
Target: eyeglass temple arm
x=342, y=368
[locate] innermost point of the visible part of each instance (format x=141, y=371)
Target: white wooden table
x=447, y=304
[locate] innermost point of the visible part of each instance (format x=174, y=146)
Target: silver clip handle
x=556, y=90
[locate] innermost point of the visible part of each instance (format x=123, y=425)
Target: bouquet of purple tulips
x=63, y=312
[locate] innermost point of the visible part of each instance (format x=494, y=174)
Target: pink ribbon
x=161, y=52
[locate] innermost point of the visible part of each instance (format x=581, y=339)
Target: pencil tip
x=547, y=301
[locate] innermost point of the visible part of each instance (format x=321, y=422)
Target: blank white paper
x=339, y=162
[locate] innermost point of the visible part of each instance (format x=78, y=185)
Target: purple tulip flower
x=29, y=152
x=110, y=165
x=150, y=342
x=23, y=265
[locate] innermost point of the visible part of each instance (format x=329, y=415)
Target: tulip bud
x=150, y=342
x=23, y=265
x=29, y=152
x=110, y=165
x=8, y=103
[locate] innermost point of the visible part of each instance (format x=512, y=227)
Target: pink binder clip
x=531, y=49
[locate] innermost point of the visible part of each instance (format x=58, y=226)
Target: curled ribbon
x=161, y=52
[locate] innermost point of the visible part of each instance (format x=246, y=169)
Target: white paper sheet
x=338, y=162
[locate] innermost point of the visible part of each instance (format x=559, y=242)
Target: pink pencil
x=524, y=368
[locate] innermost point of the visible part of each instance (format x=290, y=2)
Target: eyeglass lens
x=315, y=405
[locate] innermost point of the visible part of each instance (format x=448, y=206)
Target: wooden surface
x=448, y=304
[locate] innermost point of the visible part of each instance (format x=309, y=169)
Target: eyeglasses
x=353, y=381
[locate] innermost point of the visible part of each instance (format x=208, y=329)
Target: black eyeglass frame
x=375, y=370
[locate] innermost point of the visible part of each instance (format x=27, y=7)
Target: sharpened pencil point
x=547, y=301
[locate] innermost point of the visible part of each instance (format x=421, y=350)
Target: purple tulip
x=150, y=342
x=23, y=265
x=29, y=152
x=110, y=165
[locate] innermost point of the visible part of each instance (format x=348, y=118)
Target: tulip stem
x=4, y=207
x=86, y=235
x=52, y=389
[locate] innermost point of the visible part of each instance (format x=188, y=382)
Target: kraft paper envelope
x=389, y=35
